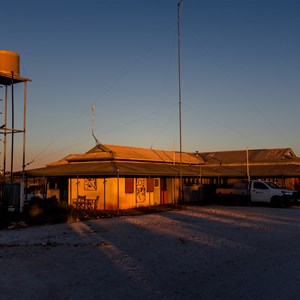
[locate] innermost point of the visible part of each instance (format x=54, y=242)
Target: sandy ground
x=209, y=252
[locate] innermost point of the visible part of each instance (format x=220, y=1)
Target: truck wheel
x=287, y=203
x=276, y=201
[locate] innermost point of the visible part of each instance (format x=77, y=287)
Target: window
x=260, y=186
x=272, y=185
x=150, y=185
x=129, y=185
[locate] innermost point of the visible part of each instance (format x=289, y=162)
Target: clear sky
x=240, y=72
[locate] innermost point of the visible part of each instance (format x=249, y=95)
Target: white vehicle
x=259, y=191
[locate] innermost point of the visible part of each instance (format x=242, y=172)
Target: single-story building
x=122, y=177
x=279, y=165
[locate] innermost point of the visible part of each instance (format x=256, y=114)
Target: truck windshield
x=272, y=185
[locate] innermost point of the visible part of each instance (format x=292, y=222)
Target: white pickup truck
x=257, y=191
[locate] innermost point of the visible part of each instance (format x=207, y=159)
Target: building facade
x=122, y=177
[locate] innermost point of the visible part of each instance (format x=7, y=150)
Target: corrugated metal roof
x=157, y=169
x=272, y=170
x=113, y=168
x=125, y=153
x=258, y=156
x=63, y=161
x=110, y=160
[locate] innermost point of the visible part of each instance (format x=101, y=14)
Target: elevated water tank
x=9, y=61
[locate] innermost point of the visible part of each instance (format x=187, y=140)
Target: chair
x=92, y=204
x=80, y=202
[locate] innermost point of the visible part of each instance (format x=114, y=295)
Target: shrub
x=40, y=211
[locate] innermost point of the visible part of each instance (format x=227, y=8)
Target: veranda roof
x=114, y=169
x=271, y=170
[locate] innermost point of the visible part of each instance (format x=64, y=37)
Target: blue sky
x=240, y=72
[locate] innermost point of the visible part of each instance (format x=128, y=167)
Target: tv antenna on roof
x=93, y=117
x=93, y=125
x=99, y=144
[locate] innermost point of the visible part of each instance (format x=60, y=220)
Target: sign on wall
x=90, y=184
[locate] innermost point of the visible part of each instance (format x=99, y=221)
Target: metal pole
x=5, y=136
x=24, y=131
x=248, y=173
x=104, y=194
x=179, y=103
x=118, y=192
x=12, y=126
x=93, y=119
x=23, y=186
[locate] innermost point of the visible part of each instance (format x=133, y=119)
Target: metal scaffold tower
x=9, y=76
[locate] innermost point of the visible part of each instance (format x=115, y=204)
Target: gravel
x=200, y=252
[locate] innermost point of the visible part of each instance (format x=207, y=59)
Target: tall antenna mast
x=179, y=103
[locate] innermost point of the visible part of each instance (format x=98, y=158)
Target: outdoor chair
x=80, y=202
x=92, y=204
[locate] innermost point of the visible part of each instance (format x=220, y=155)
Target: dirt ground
x=200, y=252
